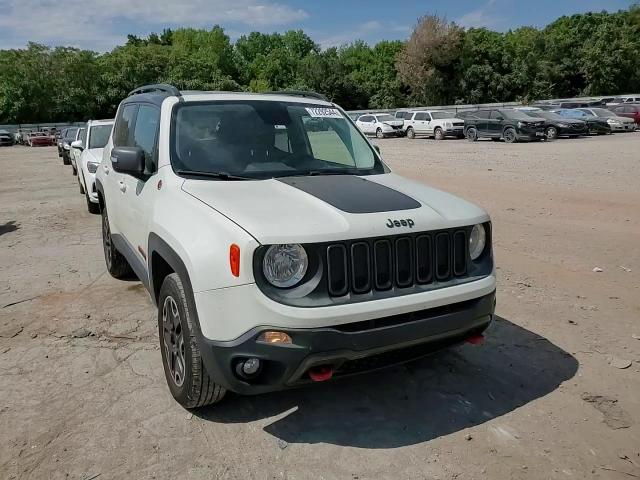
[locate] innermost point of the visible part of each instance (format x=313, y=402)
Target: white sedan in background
x=97, y=136
x=381, y=125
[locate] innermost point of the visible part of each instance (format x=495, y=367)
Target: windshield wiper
x=218, y=175
x=322, y=171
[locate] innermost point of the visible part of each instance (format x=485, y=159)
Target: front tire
x=509, y=135
x=116, y=264
x=93, y=208
x=379, y=133
x=187, y=377
x=438, y=134
x=411, y=133
x=66, y=160
x=551, y=133
x=471, y=134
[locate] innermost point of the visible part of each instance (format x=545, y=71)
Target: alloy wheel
x=173, y=340
x=509, y=135
x=106, y=239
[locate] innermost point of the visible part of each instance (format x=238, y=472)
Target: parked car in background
x=509, y=124
x=381, y=125
x=97, y=136
x=6, y=138
x=433, y=123
x=74, y=152
x=623, y=99
x=596, y=125
x=64, y=144
x=39, y=139
x=629, y=110
x=616, y=122
x=557, y=126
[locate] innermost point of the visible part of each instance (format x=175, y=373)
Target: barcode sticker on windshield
x=324, y=112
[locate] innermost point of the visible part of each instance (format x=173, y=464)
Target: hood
x=623, y=119
x=394, y=123
x=94, y=154
x=333, y=207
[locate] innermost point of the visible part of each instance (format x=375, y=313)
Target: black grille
x=396, y=262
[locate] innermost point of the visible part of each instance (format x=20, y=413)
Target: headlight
x=477, y=241
x=448, y=125
x=66, y=146
x=285, y=265
x=92, y=167
x=563, y=125
x=521, y=124
x=611, y=120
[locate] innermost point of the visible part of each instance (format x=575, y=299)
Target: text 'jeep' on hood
x=268, y=229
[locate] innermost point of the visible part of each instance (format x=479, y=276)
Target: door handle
x=106, y=169
x=122, y=186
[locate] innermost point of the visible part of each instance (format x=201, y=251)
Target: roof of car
x=108, y=121
x=156, y=94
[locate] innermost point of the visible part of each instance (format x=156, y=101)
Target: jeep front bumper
x=346, y=348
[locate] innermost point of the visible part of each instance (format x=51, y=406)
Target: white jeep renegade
x=278, y=246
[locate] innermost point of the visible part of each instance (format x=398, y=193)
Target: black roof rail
x=159, y=87
x=300, y=93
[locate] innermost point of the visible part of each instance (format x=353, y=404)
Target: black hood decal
x=352, y=194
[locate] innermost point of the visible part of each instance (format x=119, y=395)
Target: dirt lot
x=83, y=395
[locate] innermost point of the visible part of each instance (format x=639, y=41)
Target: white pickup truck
x=433, y=123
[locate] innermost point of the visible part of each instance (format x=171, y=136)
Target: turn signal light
x=275, y=337
x=234, y=260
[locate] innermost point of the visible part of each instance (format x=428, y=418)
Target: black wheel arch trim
x=156, y=245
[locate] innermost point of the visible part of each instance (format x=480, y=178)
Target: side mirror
x=129, y=160
x=77, y=144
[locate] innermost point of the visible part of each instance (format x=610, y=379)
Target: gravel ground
x=83, y=394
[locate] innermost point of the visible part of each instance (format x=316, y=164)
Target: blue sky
x=102, y=24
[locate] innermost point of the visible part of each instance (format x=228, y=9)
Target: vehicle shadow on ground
x=9, y=227
x=438, y=395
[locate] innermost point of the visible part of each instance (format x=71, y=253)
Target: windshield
x=516, y=115
x=602, y=112
x=99, y=136
x=71, y=133
x=573, y=113
x=441, y=115
x=264, y=139
x=543, y=114
x=385, y=118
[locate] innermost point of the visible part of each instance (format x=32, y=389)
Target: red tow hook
x=321, y=374
x=475, y=339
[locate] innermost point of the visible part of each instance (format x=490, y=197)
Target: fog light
x=274, y=337
x=251, y=366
